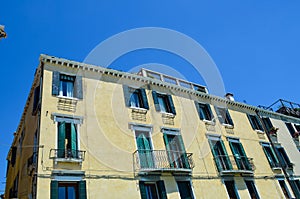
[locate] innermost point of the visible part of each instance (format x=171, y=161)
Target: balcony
x=146, y=161
x=231, y=165
x=67, y=155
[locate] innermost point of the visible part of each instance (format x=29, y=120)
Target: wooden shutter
x=228, y=163
x=251, y=122
x=127, y=95
x=155, y=100
x=172, y=107
x=13, y=156
x=82, y=189
x=74, y=140
x=161, y=190
x=78, y=92
x=54, y=190
x=61, y=139
x=144, y=99
x=142, y=190
x=55, y=83
x=197, y=105
x=228, y=117
x=184, y=157
x=36, y=99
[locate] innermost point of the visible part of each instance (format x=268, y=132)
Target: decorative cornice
x=151, y=81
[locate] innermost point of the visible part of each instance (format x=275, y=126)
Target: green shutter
x=55, y=83
x=172, y=107
x=166, y=140
x=144, y=99
x=54, y=190
x=162, y=190
x=250, y=120
x=210, y=112
x=259, y=123
x=228, y=163
x=145, y=153
x=155, y=100
x=229, y=117
x=127, y=95
x=61, y=139
x=82, y=189
x=184, y=157
x=197, y=105
x=142, y=190
x=217, y=159
x=36, y=100
x=74, y=140
x=78, y=87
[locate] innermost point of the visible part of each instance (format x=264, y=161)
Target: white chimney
x=229, y=96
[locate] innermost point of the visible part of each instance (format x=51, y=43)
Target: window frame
x=76, y=120
x=190, y=185
x=159, y=186
x=221, y=112
x=253, y=186
x=168, y=101
x=130, y=92
x=255, y=122
x=284, y=188
x=234, y=187
x=204, y=112
x=275, y=162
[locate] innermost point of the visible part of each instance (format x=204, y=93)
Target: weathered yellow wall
x=109, y=141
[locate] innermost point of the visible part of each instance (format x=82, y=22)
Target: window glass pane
x=284, y=189
x=252, y=190
x=135, y=100
x=185, y=189
x=151, y=191
x=71, y=193
x=162, y=104
x=61, y=192
x=231, y=190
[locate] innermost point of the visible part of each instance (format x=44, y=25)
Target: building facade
x=92, y=132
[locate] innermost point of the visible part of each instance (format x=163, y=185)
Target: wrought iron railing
x=67, y=154
x=162, y=160
x=234, y=163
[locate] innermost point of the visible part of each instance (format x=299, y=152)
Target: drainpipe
x=286, y=175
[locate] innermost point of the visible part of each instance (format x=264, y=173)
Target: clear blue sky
x=255, y=44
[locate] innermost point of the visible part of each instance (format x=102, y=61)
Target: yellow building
x=92, y=132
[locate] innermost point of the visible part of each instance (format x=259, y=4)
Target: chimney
x=229, y=96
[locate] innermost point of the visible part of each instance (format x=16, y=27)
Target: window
x=220, y=154
x=152, y=190
x=224, y=116
x=295, y=185
x=297, y=127
x=163, y=103
x=231, y=189
x=13, y=191
x=135, y=98
x=284, y=189
x=291, y=129
x=239, y=155
x=67, y=140
x=273, y=161
x=252, y=189
x=144, y=145
x=36, y=100
x=283, y=158
x=204, y=111
x=268, y=124
x=66, y=85
x=255, y=122
x=185, y=189
x=175, y=149
x=68, y=190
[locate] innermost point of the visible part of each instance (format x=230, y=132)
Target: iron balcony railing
x=162, y=160
x=67, y=154
x=234, y=164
